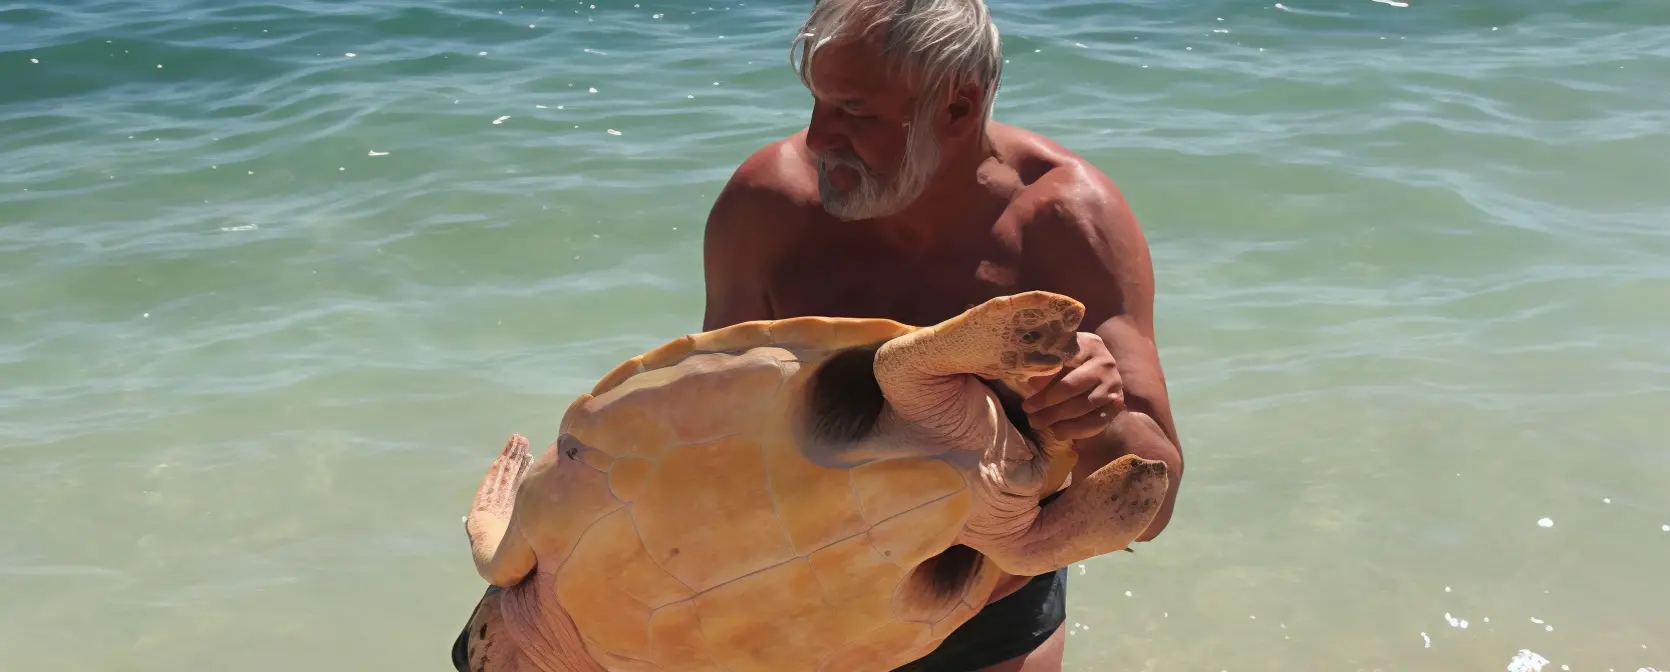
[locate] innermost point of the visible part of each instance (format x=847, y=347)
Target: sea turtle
x=808, y=494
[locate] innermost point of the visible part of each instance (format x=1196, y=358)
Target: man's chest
x=848, y=278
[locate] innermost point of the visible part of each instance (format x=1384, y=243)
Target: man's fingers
x=1074, y=383
x=1067, y=384
x=1047, y=391
x=1038, y=383
x=1074, y=407
x=1086, y=425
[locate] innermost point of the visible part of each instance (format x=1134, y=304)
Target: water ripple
x=1402, y=251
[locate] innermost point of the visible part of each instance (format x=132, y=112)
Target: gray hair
x=940, y=43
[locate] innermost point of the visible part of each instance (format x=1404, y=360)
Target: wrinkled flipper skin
x=1102, y=514
x=488, y=645
x=517, y=626
x=517, y=630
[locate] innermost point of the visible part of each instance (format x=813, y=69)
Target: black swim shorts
x=1008, y=628
x=1005, y=629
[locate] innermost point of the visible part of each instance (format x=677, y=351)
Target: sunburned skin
x=962, y=211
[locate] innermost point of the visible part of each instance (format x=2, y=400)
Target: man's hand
x=1083, y=398
x=1079, y=402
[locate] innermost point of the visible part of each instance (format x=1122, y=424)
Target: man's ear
x=963, y=111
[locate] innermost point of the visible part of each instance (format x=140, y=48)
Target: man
x=902, y=199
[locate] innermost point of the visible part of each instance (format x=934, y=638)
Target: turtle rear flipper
x=1102, y=514
x=502, y=555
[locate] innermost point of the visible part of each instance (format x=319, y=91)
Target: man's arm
x=740, y=232
x=1088, y=246
x=1145, y=428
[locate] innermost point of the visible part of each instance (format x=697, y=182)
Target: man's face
x=874, y=156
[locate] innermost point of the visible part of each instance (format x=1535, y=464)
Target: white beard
x=874, y=197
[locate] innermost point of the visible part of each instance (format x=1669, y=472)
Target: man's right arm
x=742, y=231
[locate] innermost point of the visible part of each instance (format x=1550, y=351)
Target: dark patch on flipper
x=462, y=646
x=934, y=587
x=948, y=573
x=470, y=647
x=844, y=401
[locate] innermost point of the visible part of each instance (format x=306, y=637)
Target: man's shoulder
x=1080, y=233
x=778, y=173
x=757, y=214
x=1065, y=194
x=768, y=190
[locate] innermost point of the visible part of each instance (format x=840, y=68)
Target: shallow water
x=276, y=280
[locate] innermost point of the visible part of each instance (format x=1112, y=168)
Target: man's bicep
x=1102, y=258
x=1126, y=288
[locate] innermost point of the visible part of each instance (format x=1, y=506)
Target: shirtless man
x=902, y=199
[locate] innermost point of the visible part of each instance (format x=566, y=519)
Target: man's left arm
x=1144, y=427
x=1093, y=250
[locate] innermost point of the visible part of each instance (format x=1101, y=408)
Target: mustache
x=838, y=157
x=842, y=157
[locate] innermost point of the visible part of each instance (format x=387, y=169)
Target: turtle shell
x=682, y=527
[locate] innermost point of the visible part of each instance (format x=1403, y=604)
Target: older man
x=902, y=199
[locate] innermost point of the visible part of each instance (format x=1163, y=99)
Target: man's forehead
x=852, y=70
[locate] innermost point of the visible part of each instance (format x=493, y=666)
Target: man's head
x=898, y=86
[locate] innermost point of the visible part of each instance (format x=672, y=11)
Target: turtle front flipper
x=930, y=377
x=502, y=556
x=1101, y=514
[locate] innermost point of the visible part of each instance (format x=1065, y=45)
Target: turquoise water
x=274, y=286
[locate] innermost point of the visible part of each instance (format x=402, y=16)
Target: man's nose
x=824, y=133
